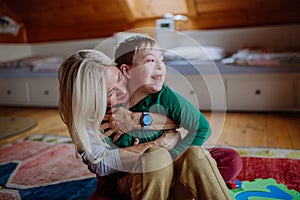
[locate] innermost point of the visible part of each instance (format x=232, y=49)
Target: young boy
x=141, y=61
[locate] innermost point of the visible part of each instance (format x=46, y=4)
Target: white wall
x=233, y=39
x=64, y=48
x=230, y=39
x=14, y=51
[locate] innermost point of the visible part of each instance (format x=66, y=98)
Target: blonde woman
x=83, y=104
x=86, y=79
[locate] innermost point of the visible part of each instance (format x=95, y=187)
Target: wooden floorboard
x=48, y=120
x=273, y=130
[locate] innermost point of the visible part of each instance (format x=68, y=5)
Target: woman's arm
x=122, y=159
x=123, y=120
x=130, y=155
x=168, y=140
x=115, y=160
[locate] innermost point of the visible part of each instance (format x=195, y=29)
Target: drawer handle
x=8, y=92
x=46, y=92
x=257, y=92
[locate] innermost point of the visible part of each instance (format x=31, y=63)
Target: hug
x=123, y=120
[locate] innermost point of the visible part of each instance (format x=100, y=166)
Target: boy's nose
x=159, y=64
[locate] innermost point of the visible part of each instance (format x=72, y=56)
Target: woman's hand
x=120, y=121
x=168, y=140
x=130, y=155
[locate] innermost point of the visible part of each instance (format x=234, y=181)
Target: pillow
x=12, y=65
x=34, y=63
x=45, y=63
x=195, y=53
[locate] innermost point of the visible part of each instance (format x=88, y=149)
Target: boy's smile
x=148, y=71
x=157, y=78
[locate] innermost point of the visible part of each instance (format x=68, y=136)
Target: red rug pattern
x=284, y=170
x=43, y=163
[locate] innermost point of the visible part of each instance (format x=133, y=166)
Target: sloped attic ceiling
x=54, y=20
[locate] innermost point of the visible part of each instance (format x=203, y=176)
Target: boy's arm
x=191, y=119
x=194, y=137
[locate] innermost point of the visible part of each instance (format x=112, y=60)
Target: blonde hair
x=83, y=97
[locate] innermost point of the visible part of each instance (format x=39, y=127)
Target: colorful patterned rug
x=268, y=174
x=45, y=167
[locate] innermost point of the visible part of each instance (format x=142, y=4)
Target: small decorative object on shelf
x=173, y=22
x=8, y=25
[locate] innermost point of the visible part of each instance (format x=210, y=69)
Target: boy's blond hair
x=126, y=50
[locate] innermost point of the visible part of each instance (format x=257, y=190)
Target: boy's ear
x=125, y=70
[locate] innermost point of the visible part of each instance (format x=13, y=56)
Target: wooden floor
x=274, y=130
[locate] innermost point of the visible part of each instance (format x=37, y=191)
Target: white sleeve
x=109, y=164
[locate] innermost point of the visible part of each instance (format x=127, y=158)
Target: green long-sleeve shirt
x=177, y=108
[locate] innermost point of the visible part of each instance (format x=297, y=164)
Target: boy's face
x=148, y=71
x=116, y=86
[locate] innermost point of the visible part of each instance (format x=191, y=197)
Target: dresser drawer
x=210, y=91
x=44, y=91
x=13, y=92
x=261, y=94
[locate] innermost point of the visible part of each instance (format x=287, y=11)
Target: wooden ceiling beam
x=81, y=19
x=5, y=10
x=128, y=9
x=191, y=8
